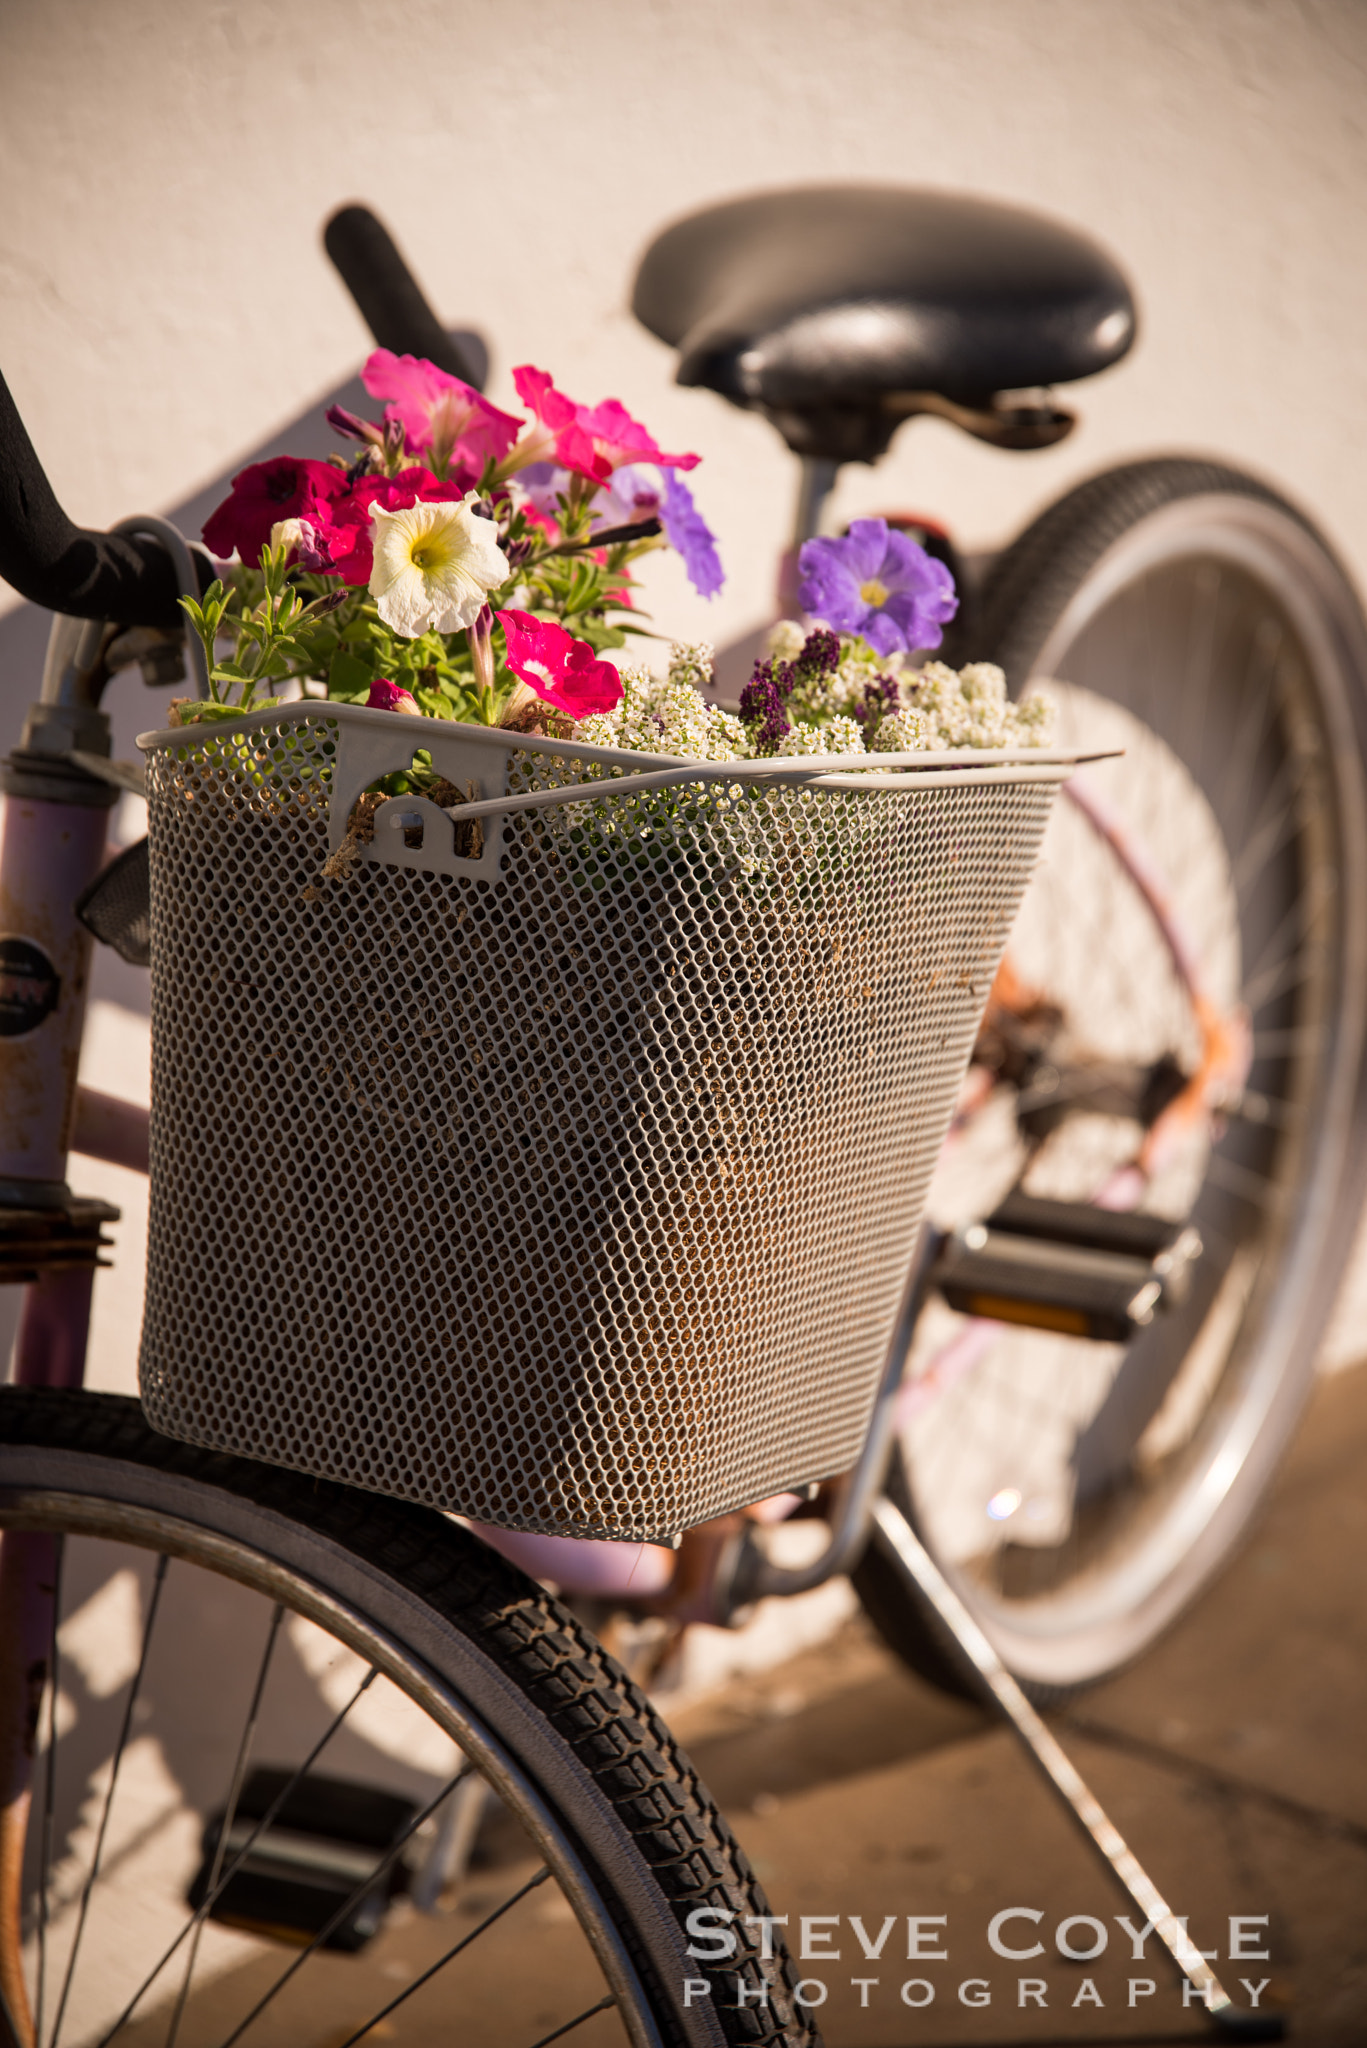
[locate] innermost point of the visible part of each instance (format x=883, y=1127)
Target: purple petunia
x=877, y=582
x=639, y=490
x=690, y=536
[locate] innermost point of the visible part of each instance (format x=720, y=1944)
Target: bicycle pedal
x=34, y=1241
x=1066, y=1267
x=325, y=1838
x=1128, y=1231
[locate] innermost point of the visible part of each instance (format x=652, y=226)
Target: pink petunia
x=618, y=439
x=562, y=670
x=392, y=697
x=285, y=487
x=440, y=416
x=557, y=436
x=592, y=443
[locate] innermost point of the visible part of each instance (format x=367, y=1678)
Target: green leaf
x=433, y=704
x=349, y=676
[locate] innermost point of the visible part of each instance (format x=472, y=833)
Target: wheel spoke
x=49, y=1790
x=603, y=2005
x=215, y=1891
x=1245, y=1181
x=348, y=1905
x=158, y=1581
x=229, y=1816
x=451, y=1953
x=1256, y=722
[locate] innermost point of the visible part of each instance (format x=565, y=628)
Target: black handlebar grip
x=387, y=294
x=128, y=579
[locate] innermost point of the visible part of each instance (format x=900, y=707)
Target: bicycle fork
x=53, y=847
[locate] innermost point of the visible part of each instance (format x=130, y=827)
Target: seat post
x=814, y=487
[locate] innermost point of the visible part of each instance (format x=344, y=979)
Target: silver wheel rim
x=1104, y=1615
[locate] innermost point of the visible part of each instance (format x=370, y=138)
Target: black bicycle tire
x=1031, y=580
x=1025, y=594
x=633, y=1806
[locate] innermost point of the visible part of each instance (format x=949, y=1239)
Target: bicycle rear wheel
x=253, y=1646
x=1079, y=1494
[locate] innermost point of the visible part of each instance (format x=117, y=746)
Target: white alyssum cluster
x=908, y=731
x=786, y=639
x=929, y=710
x=940, y=709
x=839, y=736
x=669, y=715
x=970, y=709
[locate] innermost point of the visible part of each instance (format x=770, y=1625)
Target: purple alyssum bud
x=762, y=703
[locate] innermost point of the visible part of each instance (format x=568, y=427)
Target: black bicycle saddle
x=838, y=309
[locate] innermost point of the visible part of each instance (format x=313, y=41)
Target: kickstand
x=1229, y=2020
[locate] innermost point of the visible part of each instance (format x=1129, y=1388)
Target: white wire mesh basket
x=568, y=1181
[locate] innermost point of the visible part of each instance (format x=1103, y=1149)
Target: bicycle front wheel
x=1078, y=1493
x=262, y=1680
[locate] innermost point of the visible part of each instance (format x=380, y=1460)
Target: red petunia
x=286, y=487
x=562, y=670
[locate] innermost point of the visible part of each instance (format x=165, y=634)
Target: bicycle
x=586, y=1767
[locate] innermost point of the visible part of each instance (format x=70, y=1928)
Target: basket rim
x=891, y=770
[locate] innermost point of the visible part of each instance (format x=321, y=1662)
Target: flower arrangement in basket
x=620, y=1117
x=472, y=566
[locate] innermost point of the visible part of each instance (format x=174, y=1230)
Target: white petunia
x=434, y=565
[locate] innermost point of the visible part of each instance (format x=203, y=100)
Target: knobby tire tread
x=1031, y=580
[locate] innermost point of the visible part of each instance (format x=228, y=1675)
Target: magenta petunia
x=562, y=670
x=392, y=697
x=441, y=417
x=285, y=487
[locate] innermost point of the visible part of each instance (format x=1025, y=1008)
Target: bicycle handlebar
x=128, y=579
x=387, y=294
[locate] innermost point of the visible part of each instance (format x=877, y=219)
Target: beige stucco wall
x=165, y=165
